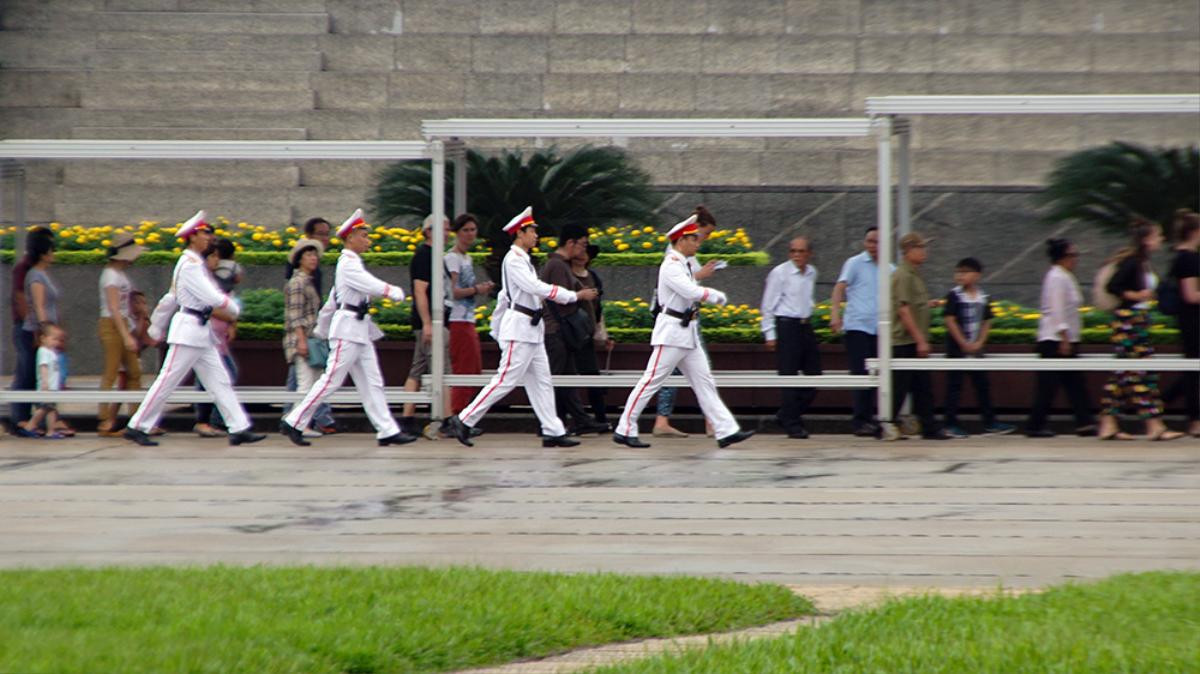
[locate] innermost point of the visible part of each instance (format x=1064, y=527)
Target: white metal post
x=903, y=178
x=883, y=139
x=437, y=302
x=460, y=182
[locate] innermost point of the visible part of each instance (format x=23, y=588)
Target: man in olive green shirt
x=910, y=334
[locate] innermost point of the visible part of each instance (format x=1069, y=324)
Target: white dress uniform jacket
x=522, y=287
x=192, y=287
x=678, y=291
x=353, y=285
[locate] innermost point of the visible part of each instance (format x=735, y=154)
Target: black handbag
x=575, y=328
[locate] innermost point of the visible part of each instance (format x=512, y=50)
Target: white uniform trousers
x=523, y=363
x=693, y=363
x=359, y=361
x=211, y=372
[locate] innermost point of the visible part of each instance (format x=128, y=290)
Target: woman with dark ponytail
x=1133, y=282
x=1060, y=330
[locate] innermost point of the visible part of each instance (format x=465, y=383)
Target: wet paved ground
x=831, y=510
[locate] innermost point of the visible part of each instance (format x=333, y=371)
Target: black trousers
x=24, y=372
x=1188, y=385
x=859, y=347
x=586, y=363
x=795, y=352
x=915, y=382
x=983, y=393
x=562, y=361
x=1048, y=382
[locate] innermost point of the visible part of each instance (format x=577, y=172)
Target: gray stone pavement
x=832, y=510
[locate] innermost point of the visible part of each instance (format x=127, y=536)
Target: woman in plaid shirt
x=302, y=304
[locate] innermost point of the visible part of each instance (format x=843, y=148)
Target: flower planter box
x=1012, y=392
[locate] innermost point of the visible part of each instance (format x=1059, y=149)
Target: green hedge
x=274, y=331
x=394, y=259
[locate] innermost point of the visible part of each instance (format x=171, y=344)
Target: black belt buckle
x=536, y=317
x=202, y=315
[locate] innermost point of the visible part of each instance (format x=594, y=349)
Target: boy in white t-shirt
x=49, y=378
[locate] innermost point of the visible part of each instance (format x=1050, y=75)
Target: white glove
x=395, y=293
x=717, y=297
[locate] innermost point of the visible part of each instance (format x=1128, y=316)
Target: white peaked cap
x=353, y=222
x=686, y=227
x=522, y=219
x=200, y=219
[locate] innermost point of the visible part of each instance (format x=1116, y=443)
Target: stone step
x=204, y=60
x=82, y=204
x=200, y=91
x=268, y=175
x=171, y=40
x=45, y=50
x=214, y=5
x=186, y=133
x=34, y=16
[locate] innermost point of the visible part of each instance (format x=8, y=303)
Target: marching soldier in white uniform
x=191, y=301
x=676, y=342
x=346, y=320
x=517, y=326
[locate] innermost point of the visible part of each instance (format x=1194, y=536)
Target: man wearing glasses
x=787, y=307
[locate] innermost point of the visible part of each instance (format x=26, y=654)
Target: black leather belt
x=801, y=321
x=202, y=315
x=685, y=317
x=535, y=315
x=360, y=310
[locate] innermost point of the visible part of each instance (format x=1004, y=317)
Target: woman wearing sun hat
x=116, y=326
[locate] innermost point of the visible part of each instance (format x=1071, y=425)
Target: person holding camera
x=518, y=326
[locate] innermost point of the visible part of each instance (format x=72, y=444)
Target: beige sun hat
x=301, y=245
x=125, y=248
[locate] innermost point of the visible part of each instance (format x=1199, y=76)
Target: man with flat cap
x=346, y=321
x=676, y=342
x=193, y=298
x=517, y=326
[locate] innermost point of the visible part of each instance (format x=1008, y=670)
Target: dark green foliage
x=590, y=186
x=1111, y=184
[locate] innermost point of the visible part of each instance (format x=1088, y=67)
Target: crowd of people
x=551, y=322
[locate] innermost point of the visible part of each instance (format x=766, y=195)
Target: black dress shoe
x=245, y=438
x=139, y=437
x=629, y=441
x=1040, y=433
x=294, y=434
x=459, y=430
x=476, y=432
x=1089, y=431
x=798, y=434
x=559, y=441
x=867, y=430
x=733, y=439
x=591, y=427
x=939, y=434
x=400, y=438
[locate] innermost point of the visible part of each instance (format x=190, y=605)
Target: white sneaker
x=310, y=433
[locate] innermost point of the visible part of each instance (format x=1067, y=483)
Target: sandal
x=207, y=431
x=1167, y=435
x=1118, y=435
x=64, y=431
x=156, y=431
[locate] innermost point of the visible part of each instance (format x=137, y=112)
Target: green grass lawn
x=368, y=619
x=1133, y=623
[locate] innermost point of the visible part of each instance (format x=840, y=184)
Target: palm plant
x=1109, y=185
x=590, y=186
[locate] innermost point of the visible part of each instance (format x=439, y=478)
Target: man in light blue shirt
x=858, y=286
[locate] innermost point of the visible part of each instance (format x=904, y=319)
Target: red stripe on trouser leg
x=512, y=346
x=628, y=408
x=312, y=400
x=162, y=375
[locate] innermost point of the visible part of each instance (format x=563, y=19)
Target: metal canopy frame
x=269, y=150
x=891, y=111
x=454, y=131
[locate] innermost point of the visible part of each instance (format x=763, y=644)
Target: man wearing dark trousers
x=910, y=335
x=858, y=286
x=787, y=306
x=561, y=347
